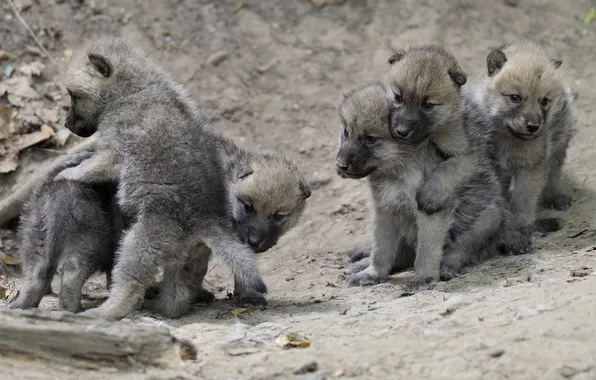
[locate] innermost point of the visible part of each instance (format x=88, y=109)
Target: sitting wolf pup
x=404, y=145
x=80, y=222
x=169, y=164
x=529, y=112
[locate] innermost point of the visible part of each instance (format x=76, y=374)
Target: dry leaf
x=19, y=87
x=292, y=340
x=5, y=125
x=517, y=280
x=8, y=260
x=14, y=145
x=6, y=56
x=31, y=69
x=11, y=292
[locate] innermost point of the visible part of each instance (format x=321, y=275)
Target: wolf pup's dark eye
x=345, y=132
x=370, y=139
x=428, y=106
x=248, y=208
x=515, y=98
x=398, y=98
x=544, y=102
x=278, y=217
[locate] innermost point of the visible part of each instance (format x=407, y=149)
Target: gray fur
x=170, y=167
x=272, y=185
x=394, y=171
x=80, y=223
x=459, y=203
x=528, y=113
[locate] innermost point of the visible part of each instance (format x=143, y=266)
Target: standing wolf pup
x=270, y=195
x=85, y=221
x=529, y=112
x=66, y=216
x=169, y=164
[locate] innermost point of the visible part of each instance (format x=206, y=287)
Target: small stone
x=307, y=368
x=581, y=272
x=497, y=353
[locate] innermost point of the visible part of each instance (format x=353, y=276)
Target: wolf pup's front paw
x=366, y=277
x=429, y=200
x=251, y=299
x=420, y=283
x=557, y=201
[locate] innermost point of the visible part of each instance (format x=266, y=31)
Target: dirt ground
x=270, y=74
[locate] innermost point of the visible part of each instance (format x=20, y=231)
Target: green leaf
x=590, y=16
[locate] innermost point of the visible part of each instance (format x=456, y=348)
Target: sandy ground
x=271, y=74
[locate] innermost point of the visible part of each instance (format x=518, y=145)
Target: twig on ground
x=31, y=33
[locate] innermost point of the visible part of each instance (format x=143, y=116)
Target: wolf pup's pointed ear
x=495, y=61
x=305, y=190
x=458, y=77
x=101, y=64
x=397, y=56
x=556, y=63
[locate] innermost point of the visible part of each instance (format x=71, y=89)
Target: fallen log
x=85, y=342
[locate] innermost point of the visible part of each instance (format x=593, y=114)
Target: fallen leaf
x=331, y=285
x=19, y=86
x=238, y=7
x=15, y=144
x=235, y=312
x=6, y=128
x=44, y=133
x=31, y=69
x=8, y=260
x=12, y=292
x=6, y=56
x=292, y=340
x=517, y=280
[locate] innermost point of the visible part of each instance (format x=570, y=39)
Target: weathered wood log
x=88, y=343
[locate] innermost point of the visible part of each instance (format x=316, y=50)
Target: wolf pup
x=270, y=196
x=529, y=112
x=79, y=222
x=169, y=164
